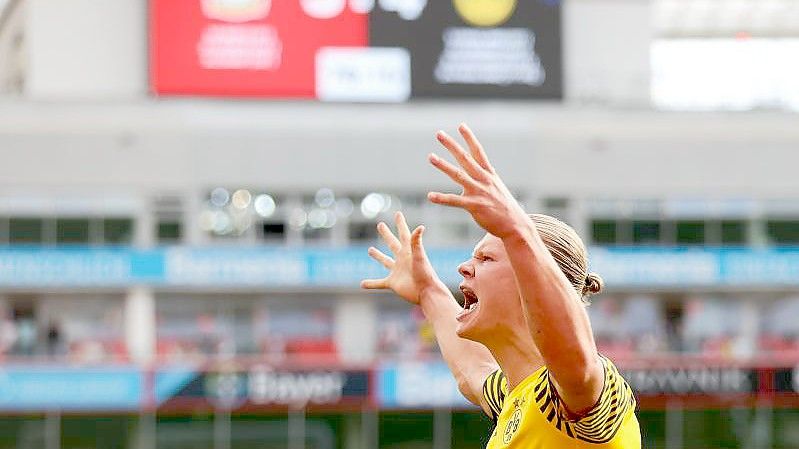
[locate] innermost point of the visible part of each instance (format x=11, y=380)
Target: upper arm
x=580, y=393
x=600, y=421
x=557, y=320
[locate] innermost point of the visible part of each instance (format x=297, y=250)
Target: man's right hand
x=410, y=271
x=412, y=277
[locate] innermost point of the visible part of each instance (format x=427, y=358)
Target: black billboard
x=705, y=380
x=477, y=48
x=263, y=386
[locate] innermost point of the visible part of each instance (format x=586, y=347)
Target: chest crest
x=513, y=424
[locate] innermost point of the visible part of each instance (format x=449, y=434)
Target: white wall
x=356, y=328
x=86, y=49
x=193, y=145
x=606, y=51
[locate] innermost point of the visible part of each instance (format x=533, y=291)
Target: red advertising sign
x=246, y=47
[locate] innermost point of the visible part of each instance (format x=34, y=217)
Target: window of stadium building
x=783, y=231
x=273, y=231
x=403, y=333
x=603, y=232
x=718, y=326
x=74, y=230
x=712, y=325
x=733, y=232
x=779, y=327
x=201, y=325
x=191, y=326
x=117, y=231
x=82, y=328
x=297, y=332
x=675, y=232
x=557, y=207
x=316, y=235
x=628, y=325
x=646, y=232
x=169, y=231
x=690, y=232
x=363, y=232
x=25, y=230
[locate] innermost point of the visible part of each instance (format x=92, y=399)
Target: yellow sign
x=485, y=13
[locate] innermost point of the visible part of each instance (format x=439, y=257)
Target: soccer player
x=521, y=347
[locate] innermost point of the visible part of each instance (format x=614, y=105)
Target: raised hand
x=484, y=194
x=410, y=271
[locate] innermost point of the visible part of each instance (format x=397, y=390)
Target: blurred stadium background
x=187, y=189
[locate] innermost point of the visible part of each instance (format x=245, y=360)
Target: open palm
x=410, y=271
x=484, y=195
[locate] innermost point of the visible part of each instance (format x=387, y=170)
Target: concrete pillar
x=579, y=219
x=52, y=430
x=353, y=432
x=296, y=429
x=356, y=328
x=144, y=434
x=192, y=209
x=674, y=424
x=140, y=324
x=289, y=206
x=442, y=428
x=144, y=227
x=746, y=345
x=370, y=429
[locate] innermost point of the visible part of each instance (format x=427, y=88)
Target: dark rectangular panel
x=477, y=48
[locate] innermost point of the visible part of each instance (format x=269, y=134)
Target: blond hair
x=569, y=252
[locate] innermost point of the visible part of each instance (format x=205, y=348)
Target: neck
x=516, y=354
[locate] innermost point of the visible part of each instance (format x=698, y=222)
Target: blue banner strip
x=66, y=388
x=22, y=267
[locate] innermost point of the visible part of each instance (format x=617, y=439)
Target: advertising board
x=356, y=50
x=70, y=388
x=198, y=267
x=477, y=48
x=263, y=48
x=407, y=385
x=260, y=386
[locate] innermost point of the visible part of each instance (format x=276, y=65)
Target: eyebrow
x=481, y=252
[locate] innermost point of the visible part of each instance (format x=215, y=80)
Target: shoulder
x=495, y=388
x=600, y=423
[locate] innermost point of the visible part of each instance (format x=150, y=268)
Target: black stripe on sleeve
x=493, y=394
x=598, y=425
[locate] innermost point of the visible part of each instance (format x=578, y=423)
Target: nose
x=466, y=270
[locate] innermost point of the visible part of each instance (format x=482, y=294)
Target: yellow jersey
x=532, y=416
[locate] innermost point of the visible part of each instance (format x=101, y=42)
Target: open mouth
x=470, y=302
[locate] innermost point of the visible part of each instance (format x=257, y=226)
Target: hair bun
x=593, y=284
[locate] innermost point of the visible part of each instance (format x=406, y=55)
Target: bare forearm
x=556, y=317
x=470, y=362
